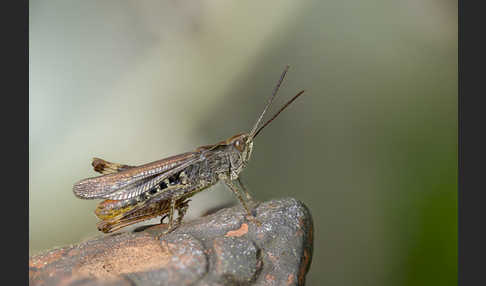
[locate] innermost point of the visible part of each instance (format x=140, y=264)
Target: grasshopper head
x=242, y=147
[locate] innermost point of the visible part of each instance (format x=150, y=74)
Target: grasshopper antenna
x=274, y=93
x=276, y=114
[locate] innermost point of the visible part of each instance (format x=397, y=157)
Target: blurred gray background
x=370, y=148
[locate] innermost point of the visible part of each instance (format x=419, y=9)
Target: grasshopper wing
x=131, y=182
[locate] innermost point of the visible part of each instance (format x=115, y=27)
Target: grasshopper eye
x=239, y=145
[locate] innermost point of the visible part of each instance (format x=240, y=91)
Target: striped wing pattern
x=133, y=181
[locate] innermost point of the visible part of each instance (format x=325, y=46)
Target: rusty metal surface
x=223, y=248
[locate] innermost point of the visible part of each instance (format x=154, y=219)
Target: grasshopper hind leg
x=181, y=207
x=181, y=211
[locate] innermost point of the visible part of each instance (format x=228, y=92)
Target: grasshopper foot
x=254, y=220
x=167, y=231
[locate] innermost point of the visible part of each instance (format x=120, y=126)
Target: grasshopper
x=134, y=194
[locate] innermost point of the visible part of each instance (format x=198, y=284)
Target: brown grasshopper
x=136, y=193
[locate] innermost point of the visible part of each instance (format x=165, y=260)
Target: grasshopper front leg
x=244, y=190
x=234, y=188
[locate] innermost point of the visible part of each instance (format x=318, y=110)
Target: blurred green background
x=371, y=147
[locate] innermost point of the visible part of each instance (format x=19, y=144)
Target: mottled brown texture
x=105, y=167
x=223, y=248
